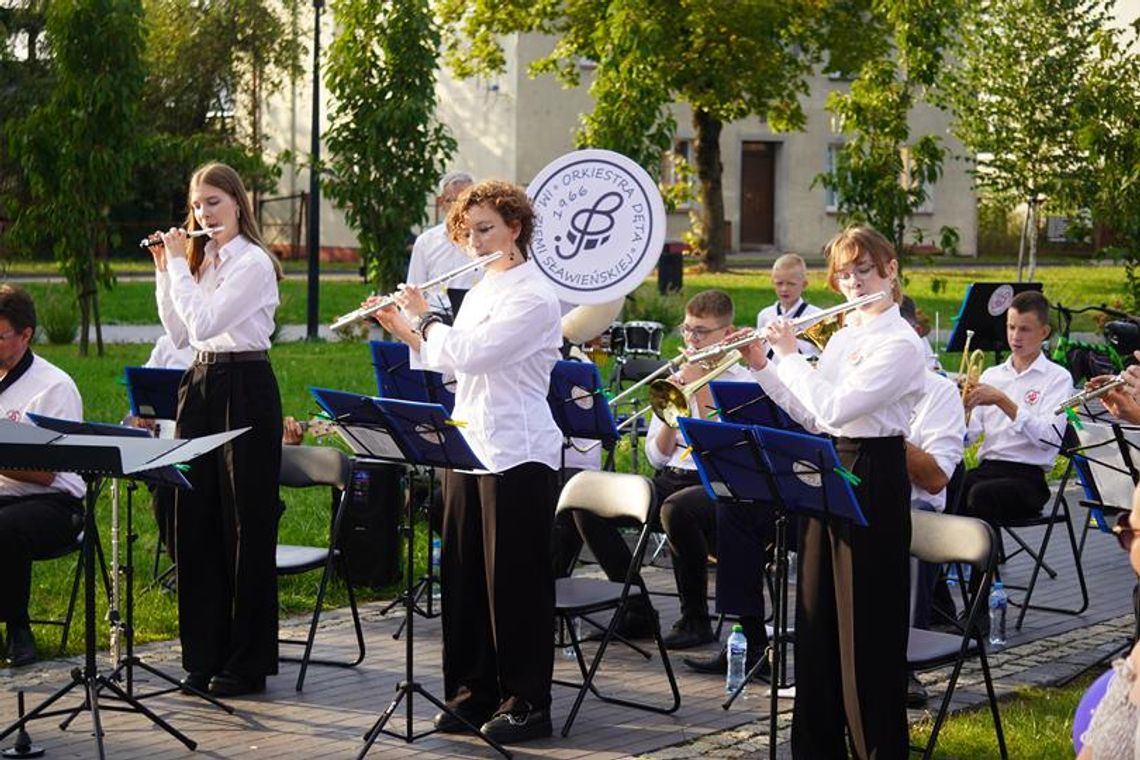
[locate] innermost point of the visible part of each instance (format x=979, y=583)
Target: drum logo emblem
x=599, y=226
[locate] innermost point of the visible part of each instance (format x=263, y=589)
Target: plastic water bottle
x=436, y=548
x=737, y=656
x=999, y=603
x=568, y=646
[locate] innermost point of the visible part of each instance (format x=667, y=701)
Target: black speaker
x=370, y=530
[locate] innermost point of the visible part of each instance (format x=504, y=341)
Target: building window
x=831, y=196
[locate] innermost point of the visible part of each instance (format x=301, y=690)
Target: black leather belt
x=682, y=471
x=214, y=357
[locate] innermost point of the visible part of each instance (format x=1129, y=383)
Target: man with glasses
x=687, y=515
x=40, y=511
x=434, y=253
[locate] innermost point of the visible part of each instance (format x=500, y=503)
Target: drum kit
x=625, y=340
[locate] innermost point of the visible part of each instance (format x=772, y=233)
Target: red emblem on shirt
x=855, y=357
x=14, y=415
x=1032, y=397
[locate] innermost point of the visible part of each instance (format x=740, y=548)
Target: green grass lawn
x=1038, y=724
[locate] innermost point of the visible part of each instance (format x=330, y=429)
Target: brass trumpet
x=970, y=370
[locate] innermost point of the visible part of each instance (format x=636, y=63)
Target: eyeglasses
x=1124, y=531
x=860, y=272
x=699, y=332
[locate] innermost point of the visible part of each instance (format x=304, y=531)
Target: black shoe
x=717, y=664
x=916, y=695
x=21, y=646
x=519, y=726
x=688, y=633
x=196, y=681
x=476, y=715
x=638, y=624
x=231, y=685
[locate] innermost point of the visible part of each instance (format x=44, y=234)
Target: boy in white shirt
x=1013, y=404
x=789, y=278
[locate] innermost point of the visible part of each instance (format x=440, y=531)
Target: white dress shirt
x=502, y=349
x=767, y=314
x=434, y=254
x=231, y=306
x=939, y=429
x=865, y=384
x=165, y=355
x=1035, y=436
x=43, y=389
x=738, y=373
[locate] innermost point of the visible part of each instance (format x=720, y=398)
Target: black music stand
x=152, y=392
x=395, y=377
x=747, y=404
x=422, y=434
x=96, y=455
x=791, y=472
x=580, y=407
x=983, y=311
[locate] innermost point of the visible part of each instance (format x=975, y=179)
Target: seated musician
x=687, y=515
x=40, y=511
x=1013, y=405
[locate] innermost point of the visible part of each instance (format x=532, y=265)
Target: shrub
x=58, y=315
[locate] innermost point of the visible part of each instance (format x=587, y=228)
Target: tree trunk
x=709, y=172
x=1032, y=241
x=1021, y=242
x=84, y=317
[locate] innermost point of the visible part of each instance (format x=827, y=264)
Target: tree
x=882, y=171
x=388, y=149
x=77, y=149
x=1108, y=110
x=726, y=60
x=1022, y=64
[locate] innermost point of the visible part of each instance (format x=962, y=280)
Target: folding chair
x=77, y=546
x=1057, y=512
x=625, y=499
x=302, y=467
x=940, y=538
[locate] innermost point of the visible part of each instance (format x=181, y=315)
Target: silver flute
x=1088, y=394
x=150, y=240
x=364, y=312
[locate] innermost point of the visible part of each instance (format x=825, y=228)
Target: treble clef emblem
x=590, y=227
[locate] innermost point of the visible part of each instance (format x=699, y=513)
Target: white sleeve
x=167, y=314
x=1037, y=422
x=519, y=327
x=770, y=381
x=861, y=389
x=944, y=428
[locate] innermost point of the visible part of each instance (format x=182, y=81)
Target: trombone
x=364, y=312
x=669, y=401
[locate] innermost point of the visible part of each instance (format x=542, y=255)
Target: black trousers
x=498, y=587
x=852, y=615
x=31, y=527
x=744, y=532
x=226, y=527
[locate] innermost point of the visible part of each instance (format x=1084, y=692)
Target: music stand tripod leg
x=406, y=688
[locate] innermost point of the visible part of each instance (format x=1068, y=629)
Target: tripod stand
x=409, y=686
x=94, y=451
x=427, y=582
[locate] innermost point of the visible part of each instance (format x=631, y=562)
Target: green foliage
x=882, y=171
x=1109, y=107
x=726, y=60
x=388, y=148
x=76, y=150
x=1022, y=64
x=647, y=305
x=57, y=316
